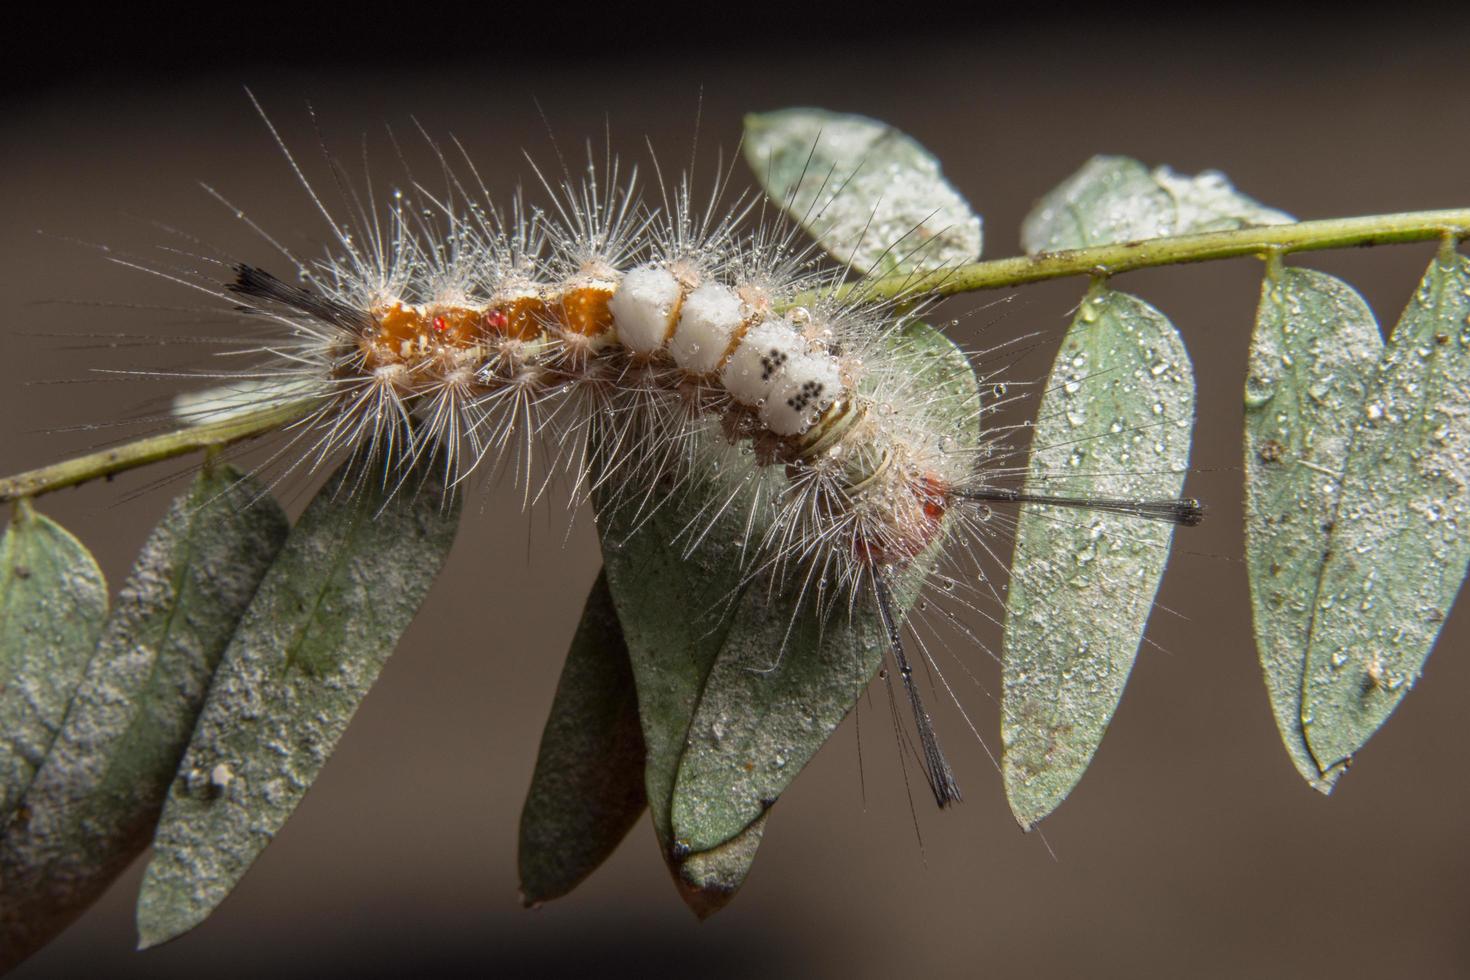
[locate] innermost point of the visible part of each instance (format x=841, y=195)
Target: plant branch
x=1107, y=260
x=152, y=449
x=1101, y=260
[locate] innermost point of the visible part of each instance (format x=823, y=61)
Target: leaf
x=1117, y=199
x=1399, y=548
x=1314, y=349
x=52, y=603
x=93, y=804
x=329, y=612
x=672, y=608
x=766, y=710
x=587, y=791
x=771, y=700
x=674, y=613
x=707, y=880
x=708, y=654
x=870, y=195
x=1115, y=422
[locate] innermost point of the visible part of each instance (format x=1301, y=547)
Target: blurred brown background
x=1190, y=849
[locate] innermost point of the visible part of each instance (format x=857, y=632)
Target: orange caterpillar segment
x=520, y=316
x=415, y=334
x=411, y=334
x=457, y=327
x=583, y=307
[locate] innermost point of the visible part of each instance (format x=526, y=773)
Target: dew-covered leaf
x=777, y=691
x=1314, y=349
x=346, y=584
x=93, y=804
x=587, y=790
x=1399, y=546
x=872, y=196
x=1115, y=422
x=1118, y=199
x=674, y=614
x=52, y=603
x=674, y=610
x=710, y=653
x=784, y=679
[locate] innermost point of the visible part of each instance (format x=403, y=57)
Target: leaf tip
x=164, y=913
x=1026, y=818
x=1333, y=750
x=703, y=898
x=708, y=880
x=1324, y=781
x=152, y=932
x=1034, y=794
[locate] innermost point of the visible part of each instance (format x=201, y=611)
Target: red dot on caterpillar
x=926, y=501
x=934, y=497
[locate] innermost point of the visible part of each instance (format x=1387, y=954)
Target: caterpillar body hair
x=640, y=346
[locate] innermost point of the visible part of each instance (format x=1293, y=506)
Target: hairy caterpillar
x=1169, y=815
x=644, y=348
x=691, y=359
x=695, y=370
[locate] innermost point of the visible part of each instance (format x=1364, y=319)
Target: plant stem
x=153, y=449
x=1098, y=261
x=1107, y=260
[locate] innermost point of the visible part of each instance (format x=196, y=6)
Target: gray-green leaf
x=675, y=615
x=329, y=612
x=1399, y=546
x=1314, y=349
x=771, y=700
x=93, y=804
x=52, y=603
x=1115, y=422
x=707, y=880
x=873, y=197
x=1117, y=199
x=766, y=710
x=587, y=790
x=730, y=714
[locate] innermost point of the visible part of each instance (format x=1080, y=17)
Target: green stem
x=1107, y=260
x=1101, y=260
x=153, y=449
